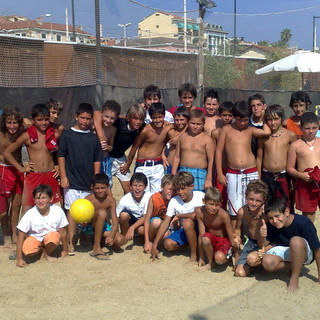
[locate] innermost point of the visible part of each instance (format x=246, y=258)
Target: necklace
x=253, y=216
x=277, y=135
x=310, y=147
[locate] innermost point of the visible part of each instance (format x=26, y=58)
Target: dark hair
x=308, y=117
x=183, y=179
x=84, y=108
x=241, y=109
x=275, y=204
x=300, y=96
x=256, y=96
x=42, y=188
x=54, y=104
x=40, y=109
x=139, y=177
x=257, y=186
x=195, y=113
x=10, y=112
x=187, y=87
x=211, y=93
x=274, y=109
x=226, y=106
x=151, y=91
x=182, y=111
x=100, y=178
x=157, y=107
x=113, y=106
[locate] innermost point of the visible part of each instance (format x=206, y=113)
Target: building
x=166, y=25
x=40, y=29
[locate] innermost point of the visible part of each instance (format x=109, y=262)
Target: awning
x=194, y=27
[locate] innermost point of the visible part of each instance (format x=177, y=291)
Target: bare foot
x=7, y=244
x=293, y=287
x=192, y=261
x=206, y=267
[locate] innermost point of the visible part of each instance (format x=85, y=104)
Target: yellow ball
x=81, y=210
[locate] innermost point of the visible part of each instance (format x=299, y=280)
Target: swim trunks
x=199, y=175
x=307, y=196
x=250, y=246
x=218, y=243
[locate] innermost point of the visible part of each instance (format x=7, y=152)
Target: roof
x=266, y=49
x=157, y=41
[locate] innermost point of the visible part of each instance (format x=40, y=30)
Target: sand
x=131, y=286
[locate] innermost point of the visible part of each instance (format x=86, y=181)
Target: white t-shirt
x=167, y=117
x=128, y=204
x=177, y=206
x=37, y=225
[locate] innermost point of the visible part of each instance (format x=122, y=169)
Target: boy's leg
x=98, y=223
x=32, y=246
x=209, y=251
x=5, y=225
x=15, y=212
x=310, y=215
x=124, y=221
x=155, y=178
x=154, y=226
x=188, y=226
x=51, y=242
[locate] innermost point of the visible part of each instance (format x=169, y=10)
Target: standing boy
x=41, y=141
x=211, y=105
x=181, y=217
x=235, y=140
x=296, y=241
x=195, y=152
x=215, y=230
x=303, y=164
x=55, y=108
x=79, y=157
x=272, y=153
x=150, y=144
x=42, y=228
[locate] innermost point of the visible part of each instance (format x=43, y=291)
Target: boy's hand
x=104, y=145
x=261, y=252
x=56, y=171
x=147, y=247
x=109, y=241
x=305, y=177
x=236, y=241
x=222, y=179
x=21, y=263
x=64, y=253
x=28, y=167
x=154, y=253
x=207, y=184
x=64, y=182
x=130, y=233
x=263, y=229
x=124, y=168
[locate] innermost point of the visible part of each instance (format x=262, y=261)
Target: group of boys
x=181, y=156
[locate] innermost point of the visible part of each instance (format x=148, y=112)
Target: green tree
x=285, y=37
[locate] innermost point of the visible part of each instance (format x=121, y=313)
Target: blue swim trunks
x=88, y=229
x=179, y=236
x=106, y=165
x=168, y=169
x=199, y=176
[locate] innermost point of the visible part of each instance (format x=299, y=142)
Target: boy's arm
x=96, y=167
x=97, y=121
x=176, y=158
x=136, y=225
x=210, y=158
x=147, y=245
x=227, y=224
x=291, y=165
x=260, y=156
x=64, y=242
x=21, y=237
x=261, y=133
x=64, y=181
x=202, y=230
x=114, y=220
x=162, y=230
x=111, y=139
x=220, y=147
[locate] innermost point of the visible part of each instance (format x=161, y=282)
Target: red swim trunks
x=307, y=196
x=219, y=244
x=33, y=179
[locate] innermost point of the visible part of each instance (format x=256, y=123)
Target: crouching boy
x=42, y=228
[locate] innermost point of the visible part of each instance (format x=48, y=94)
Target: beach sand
x=131, y=286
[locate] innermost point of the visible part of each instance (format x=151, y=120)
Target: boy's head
x=100, y=184
x=151, y=94
x=277, y=212
x=167, y=186
x=187, y=93
x=42, y=196
x=256, y=194
x=274, y=116
x=309, y=123
x=225, y=112
x=40, y=116
x=212, y=200
x=55, y=108
x=257, y=104
x=181, y=118
x=183, y=183
x=11, y=120
x=299, y=102
x=241, y=113
x=211, y=101
x=84, y=116
x=196, y=122
x=138, y=184
x=110, y=111
x=157, y=112
x=136, y=116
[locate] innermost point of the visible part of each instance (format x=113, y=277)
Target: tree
x=285, y=37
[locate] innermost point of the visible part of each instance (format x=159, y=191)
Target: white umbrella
x=302, y=61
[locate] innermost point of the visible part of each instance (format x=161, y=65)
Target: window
x=58, y=37
x=43, y=36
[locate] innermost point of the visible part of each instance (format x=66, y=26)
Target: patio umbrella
x=302, y=61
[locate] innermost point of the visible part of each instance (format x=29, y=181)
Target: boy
x=152, y=94
x=215, y=230
x=55, y=108
x=156, y=211
x=299, y=102
x=133, y=206
x=195, y=152
x=150, y=144
x=106, y=131
x=235, y=140
x=11, y=180
x=42, y=228
x=226, y=115
x=104, y=208
x=79, y=157
x=181, y=119
x=296, y=241
x=272, y=153
x=303, y=163
x=181, y=217
x=41, y=141
x=211, y=105
x=187, y=94
x=251, y=215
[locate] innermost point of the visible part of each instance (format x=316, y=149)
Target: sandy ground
x=131, y=286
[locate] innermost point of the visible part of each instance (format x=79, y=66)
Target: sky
x=257, y=20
